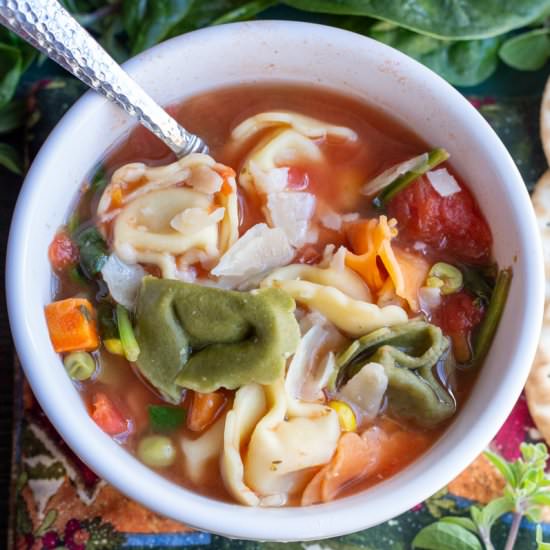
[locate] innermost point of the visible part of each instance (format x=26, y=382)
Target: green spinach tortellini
x=408, y=353
x=205, y=338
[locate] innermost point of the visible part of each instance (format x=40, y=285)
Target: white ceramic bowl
x=304, y=53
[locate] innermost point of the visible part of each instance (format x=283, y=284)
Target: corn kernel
x=346, y=416
x=114, y=346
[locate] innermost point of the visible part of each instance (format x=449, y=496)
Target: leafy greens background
x=462, y=40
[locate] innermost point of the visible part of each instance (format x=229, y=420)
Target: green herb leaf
x=467, y=523
x=93, y=251
x=502, y=466
x=528, y=51
x=459, y=19
x=165, y=419
x=492, y=511
x=154, y=21
x=446, y=536
x=10, y=159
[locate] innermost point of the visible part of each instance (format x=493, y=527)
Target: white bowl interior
x=300, y=53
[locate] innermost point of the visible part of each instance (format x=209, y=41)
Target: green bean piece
x=80, y=365
x=446, y=277
x=489, y=325
x=126, y=332
x=157, y=451
x=435, y=157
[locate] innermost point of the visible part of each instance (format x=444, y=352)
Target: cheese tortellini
x=293, y=138
x=289, y=440
x=354, y=317
x=161, y=214
x=344, y=279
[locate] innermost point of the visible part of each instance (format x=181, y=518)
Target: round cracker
x=537, y=389
x=545, y=121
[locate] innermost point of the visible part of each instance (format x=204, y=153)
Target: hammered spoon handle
x=51, y=29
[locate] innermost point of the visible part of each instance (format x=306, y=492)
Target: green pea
x=157, y=451
x=80, y=365
x=446, y=277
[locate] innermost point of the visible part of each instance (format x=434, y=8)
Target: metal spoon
x=51, y=29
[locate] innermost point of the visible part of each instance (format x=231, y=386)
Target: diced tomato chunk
x=107, y=416
x=453, y=224
x=62, y=251
x=458, y=313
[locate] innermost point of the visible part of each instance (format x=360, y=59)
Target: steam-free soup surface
x=360, y=324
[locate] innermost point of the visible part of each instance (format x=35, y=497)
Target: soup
x=292, y=319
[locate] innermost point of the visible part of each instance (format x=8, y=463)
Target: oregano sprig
x=527, y=489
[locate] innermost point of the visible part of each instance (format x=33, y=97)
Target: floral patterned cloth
x=59, y=503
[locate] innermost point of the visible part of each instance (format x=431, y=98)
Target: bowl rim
x=315, y=522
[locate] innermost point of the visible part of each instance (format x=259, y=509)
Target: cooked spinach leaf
x=459, y=19
x=166, y=419
x=93, y=251
x=479, y=281
x=99, y=181
x=107, y=321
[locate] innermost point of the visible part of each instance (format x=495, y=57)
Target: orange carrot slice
x=71, y=324
x=205, y=408
x=352, y=460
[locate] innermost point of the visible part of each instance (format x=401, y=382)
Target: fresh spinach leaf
x=462, y=63
x=245, y=12
x=155, y=21
x=446, y=536
x=458, y=19
x=528, y=51
x=203, y=14
x=465, y=63
x=133, y=12
x=93, y=251
x=166, y=419
x=10, y=158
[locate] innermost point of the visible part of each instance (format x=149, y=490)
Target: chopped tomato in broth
x=447, y=228
x=452, y=225
x=62, y=252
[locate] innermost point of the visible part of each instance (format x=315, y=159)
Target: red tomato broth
x=382, y=143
